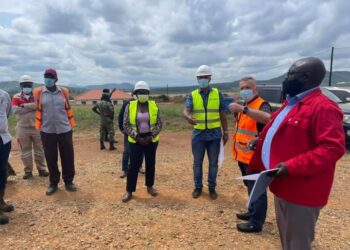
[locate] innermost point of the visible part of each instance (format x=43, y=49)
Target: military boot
x=3, y=206
x=102, y=145
x=111, y=146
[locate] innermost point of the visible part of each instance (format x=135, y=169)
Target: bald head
x=309, y=69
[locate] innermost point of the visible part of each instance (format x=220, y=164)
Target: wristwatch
x=245, y=110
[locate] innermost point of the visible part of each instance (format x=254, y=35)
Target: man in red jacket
x=304, y=140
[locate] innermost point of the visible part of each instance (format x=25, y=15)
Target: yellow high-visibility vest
x=153, y=114
x=206, y=117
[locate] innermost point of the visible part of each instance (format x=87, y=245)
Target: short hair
x=248, y=78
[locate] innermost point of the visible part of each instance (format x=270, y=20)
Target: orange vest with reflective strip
x=38, y=94
x=246, y=130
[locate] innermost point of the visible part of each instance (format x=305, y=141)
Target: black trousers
x=244, y=169
x=63, y=143
x=137, y=151
x=4, y=156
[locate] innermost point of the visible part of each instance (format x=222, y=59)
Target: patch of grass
x=88, y=121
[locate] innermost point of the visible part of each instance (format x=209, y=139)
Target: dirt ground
x=95, y=218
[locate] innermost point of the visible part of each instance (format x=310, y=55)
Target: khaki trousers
x=29, y=139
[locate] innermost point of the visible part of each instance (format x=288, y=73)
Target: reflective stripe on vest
x=38, y=94
x=206, y=117
x=246, y=131
x=153, y=115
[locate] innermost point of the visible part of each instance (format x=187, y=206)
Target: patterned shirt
x=133, y=133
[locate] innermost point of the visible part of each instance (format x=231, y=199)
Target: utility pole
x=331, y=68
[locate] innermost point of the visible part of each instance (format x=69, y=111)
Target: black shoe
x=248, y=228
x=4, y=219
x=152, y=191
x=111, y=146
x=5, y=207
x=213, y=194
x=243, y=216
x=196, y=192
x=27, y=175
x=51, y=189
x=102, y=145
x=43, y=173
x=70, y=187
x=127, y=196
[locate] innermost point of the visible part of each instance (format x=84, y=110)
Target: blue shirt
x=206, y=134
x=266, y=148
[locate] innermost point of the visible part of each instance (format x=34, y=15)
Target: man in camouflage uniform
x=24, y=108
x=106, y=111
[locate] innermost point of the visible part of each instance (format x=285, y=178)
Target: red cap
x=51, y=72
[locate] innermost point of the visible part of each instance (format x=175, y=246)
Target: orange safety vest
x=38, y=94
x=246, y=130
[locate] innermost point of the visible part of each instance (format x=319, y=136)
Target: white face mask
x=142, y=98
x=27, y=91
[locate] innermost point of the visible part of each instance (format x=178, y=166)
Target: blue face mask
x=49, y=82
x=246, y=94
x=27, y=91
x=203, y=83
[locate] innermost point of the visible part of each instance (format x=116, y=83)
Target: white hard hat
x=141, y=85
x=25, y=78
x=203, y=70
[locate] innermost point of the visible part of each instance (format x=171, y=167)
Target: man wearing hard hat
x=205, y=110
x=28, y=137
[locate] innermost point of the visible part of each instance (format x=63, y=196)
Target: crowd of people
x=303, y=140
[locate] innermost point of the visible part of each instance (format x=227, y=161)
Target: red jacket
x=310, y=140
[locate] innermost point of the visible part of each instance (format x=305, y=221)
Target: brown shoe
x=123, y=174
x=142, y=170
x=152, y=191
x=127, y=196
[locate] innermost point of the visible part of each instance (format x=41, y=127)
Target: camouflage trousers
x=29, y=139
x=107, y=128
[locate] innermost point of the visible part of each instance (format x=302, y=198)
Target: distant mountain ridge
x=337, y=76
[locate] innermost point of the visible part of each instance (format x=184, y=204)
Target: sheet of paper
x=251, y=177
x=260, y=186
x=221, y=153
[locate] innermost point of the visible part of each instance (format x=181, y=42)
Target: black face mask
x=292, y=87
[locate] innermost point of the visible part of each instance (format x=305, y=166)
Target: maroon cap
x=51, y=72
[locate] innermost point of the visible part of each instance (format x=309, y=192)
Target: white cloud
x=92, y=41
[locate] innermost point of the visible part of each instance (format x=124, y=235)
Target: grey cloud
x=106, y=61
x=206, y=22
x=58, y=20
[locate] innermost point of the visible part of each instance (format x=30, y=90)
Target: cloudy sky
x=163, y=42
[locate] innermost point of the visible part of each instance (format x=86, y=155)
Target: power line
x=285, y=64
x=347, y=47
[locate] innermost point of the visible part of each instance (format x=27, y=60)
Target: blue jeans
x=198, y=151
x=4, y=156
x=257, y=210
